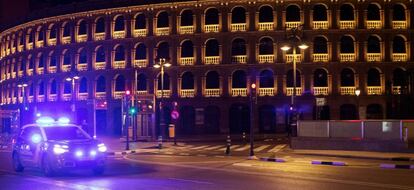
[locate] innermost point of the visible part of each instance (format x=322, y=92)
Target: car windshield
x=65, y=133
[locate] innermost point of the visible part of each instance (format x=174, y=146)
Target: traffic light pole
x=127, y=122
x=252, y=108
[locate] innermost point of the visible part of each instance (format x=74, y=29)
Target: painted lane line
x=277, y=148
x=192, y=181
x=243, y=164
x=245, y=147
x=214, y=147
x=260, y=148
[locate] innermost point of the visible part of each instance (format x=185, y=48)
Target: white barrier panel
x=382, y=130
x=345, y=129
x=313, y=129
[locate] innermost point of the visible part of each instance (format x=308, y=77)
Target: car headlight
x=102, y=147
x=60, y=149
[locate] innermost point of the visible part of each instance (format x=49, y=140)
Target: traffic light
x=132, y=110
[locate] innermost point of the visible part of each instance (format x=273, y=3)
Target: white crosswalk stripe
x=260, y=148
x=231, y=147
x=245, y=147
x=199, y=147
x=277, y=148
x=214, y=147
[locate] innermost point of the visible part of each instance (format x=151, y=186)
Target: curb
x=272, y=159
x=317, y=162
x=358, y=157
x=396, y=166
x=122, y=152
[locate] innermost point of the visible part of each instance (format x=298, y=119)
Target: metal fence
x=359, y=129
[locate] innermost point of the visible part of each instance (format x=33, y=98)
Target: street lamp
x=23, y=86
x=73, y=107
x=162, y=64
x=357, y=93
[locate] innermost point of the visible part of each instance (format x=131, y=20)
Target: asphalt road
x=201, y=171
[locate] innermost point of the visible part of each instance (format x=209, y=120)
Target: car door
x=24, y=147
x=30, y=149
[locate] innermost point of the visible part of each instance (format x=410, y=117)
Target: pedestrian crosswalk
x=274, y=148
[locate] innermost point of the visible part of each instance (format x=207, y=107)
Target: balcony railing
x=399, y=57
x=347, y=24
x=266, y=91
x=320, y=57
x=212, y=60
x=13, y=49
x=30, y=72
x=119, y=64
x=119, y=94
x=295, y=24
x=100, y=36
x=320, y=91
x=52, y=97
x=374, y=90
x=397, y=24
x=41, y=98
x=40, y=70
x=374, y=24
x=140, y=32
x=82, y=38
x=82, y=96
x=347, y=57
x=14, y=100
x=187, y=93
x=52, y=69
x=29, y=46
x=187, y=61
x=52, y=42
x=376, y=57
x=239, y=59
x=212, y=92
x=320, y=24
x=266, y=58
x=142, y=92
x=66, y=68
x=165, y=93
x=239, y=92
x=40, y=44
x=66, y=40
x=13, y=75
x=100, y=65
x=100, y=95
x=67, y=97
x=140, y=63
x=119, y=34
x=82, y=66
x=211, y=28
x=289, y=91
x=289, y=58
x=20, y=48
x=164, y=31
x=347, y=90
x=396, y=90
x=265, y=26
x=238, y=27
x=20, y=73
x=30, y=99
x=20, y=99
x=186, y=29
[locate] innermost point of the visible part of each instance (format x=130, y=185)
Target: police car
x=55, y=146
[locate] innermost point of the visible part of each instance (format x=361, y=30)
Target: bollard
x=160, y=142
x=228, y=145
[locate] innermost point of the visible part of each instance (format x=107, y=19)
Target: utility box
x=171, y=130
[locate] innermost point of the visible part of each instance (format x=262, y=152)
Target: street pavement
x=206, y=166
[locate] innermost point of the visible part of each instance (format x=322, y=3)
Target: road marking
x=243, y=164
x=213, y=147
x=260, y=148
x=231, y=147
x=184, y=154
x=199, y=147
x=192, y=181
x=245, y=147
x=296, y=177
x=277, y=148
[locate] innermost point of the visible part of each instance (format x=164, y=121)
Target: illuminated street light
x=357, y=93
x=72, y=80
x=162, y=64
x=23, y=86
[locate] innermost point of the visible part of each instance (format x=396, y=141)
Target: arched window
x=66, y=58
x=53, y=87
x=40, y=34
x=141, y=52
x=100, y=25
x=31, y=36
x=347, y=44
x=187, y=81
x=266, y=46
x=265, y=14
x=320, y=13
x=347, y=77
x=187, y=18
x=162, y=20
x=266, y=79
x=239, y=79
x=53, y=60
x=289, y=79
x=212, y=80
x=100, y=55
x=120, y=83
x=398, y=12
x=212, y=16
x=166, y=82
x=238, y=47
x=83, y=85
x=238, y=15
x=373, y=12
x=399, y=78
x=83, y=28
x=320, y=78
x=66, y=30
x=212, y=48
x=373, y=77
x=83, y=58
x=31, y=62
x=41, y=61
x=373, y=44
x=320, y=45
x=101, y=84
x=292, y=13
x=187, y=49
x=140, y=21
x=346, y=12
x=398, y=45
x=142, y=82
x=163, y=50
x=348, y=112
x=67, y=87
x=119, y=23
x=119, y=53
x=41, y=88
x=53, y=32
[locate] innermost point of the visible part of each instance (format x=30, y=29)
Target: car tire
x=99, y=170
x=17, y=165
x=47, y=168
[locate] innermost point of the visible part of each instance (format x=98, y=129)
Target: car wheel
x=47, y=168
x=17, y=165
x=99, y=170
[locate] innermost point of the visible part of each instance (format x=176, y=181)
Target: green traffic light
x=132, y=111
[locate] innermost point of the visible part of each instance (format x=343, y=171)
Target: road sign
x=175, y=114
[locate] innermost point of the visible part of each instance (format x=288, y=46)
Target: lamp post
x=357, y=93
x=253, y=100
x=73, y=106
x=23, y=86
x=162, y=64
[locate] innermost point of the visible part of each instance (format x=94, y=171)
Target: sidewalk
x=357, y=154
